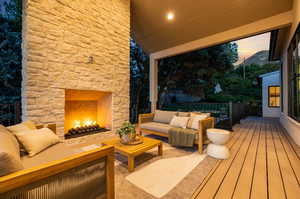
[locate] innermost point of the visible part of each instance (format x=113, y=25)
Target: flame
x=77, y=124
x=87, y=122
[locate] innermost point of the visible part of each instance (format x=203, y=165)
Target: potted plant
x=126, y=132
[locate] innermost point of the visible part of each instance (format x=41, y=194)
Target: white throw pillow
x=35, y=141
x=179, y=121
x=195, y=118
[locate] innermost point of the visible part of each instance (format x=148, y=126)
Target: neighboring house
x=271, y=94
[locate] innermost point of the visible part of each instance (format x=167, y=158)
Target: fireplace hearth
x=85, y=130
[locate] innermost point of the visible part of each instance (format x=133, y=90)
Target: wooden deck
x=264, y=163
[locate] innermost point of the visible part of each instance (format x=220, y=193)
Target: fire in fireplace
x=87, y=112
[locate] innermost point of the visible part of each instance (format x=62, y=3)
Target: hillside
x=260, y=58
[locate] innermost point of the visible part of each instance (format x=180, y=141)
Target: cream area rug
x=159, y=177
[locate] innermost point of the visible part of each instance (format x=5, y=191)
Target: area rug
x=163, y=175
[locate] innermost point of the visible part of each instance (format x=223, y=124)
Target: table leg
x=130, y=163
x=160, y=149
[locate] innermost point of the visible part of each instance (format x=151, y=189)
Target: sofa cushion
x=178, y=121
x=24, y=126
x=184, y=114
x=195, y=118
x=55, y=152
x=163, y=116
x=9, y=153
x=156, y=126
x=35, y=141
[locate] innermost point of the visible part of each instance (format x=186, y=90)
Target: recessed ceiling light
x=170, y=16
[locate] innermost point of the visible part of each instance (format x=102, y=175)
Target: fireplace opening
x=87, y=112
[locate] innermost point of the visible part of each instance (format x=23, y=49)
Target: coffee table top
x=148, y=143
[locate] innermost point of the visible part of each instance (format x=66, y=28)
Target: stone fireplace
x=76, y=52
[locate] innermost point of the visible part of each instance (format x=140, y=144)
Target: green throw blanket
x=182, y=137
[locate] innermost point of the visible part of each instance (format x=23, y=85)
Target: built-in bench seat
x=61, y=171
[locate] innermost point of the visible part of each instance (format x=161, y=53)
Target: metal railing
x=226, y=114
x=10, y=114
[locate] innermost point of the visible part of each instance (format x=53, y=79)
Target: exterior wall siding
x=292, y=126
x=271, y=80
x=59, y=39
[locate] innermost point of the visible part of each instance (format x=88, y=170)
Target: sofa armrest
x=203, y=126
x=147, y=117
x=25, y=177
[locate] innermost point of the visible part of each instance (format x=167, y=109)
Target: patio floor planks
x=264, y=163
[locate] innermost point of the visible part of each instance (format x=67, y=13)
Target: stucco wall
x=292, y=127
x=59, y=37
x=271, y=80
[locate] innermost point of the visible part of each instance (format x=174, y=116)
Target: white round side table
x=219, y=138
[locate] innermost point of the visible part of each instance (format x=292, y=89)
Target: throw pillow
x=163, y=116
x=10, y=160
x=35, y=141
x=24, y=126
x=179, y=121
x=195, y=118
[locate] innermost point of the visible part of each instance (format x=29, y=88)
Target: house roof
x=269, y=74
x=277, y=41
x=194, y=19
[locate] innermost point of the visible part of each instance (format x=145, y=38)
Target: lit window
x=274, y=96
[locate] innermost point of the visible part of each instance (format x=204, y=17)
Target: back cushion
x=184, y=114
x=164, y=116
x=9, y=153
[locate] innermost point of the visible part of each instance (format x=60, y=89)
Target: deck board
x=243, y=185
x=259, y=188
x=263, y=164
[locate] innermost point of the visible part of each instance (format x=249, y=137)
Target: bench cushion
x=55, y=152
x=156, y=126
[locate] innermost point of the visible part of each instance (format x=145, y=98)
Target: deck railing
x=10, y=114
x=226, y=114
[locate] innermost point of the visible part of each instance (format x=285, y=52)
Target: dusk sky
x=249, y=46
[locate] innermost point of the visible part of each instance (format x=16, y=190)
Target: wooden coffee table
x=131, y=151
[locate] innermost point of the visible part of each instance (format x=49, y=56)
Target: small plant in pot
x=127, y=132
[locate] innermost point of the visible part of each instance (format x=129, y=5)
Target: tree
x=193, y=72
x=10, y=51
x=139, y=81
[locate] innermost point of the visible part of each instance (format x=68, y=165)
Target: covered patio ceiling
x=195, y=19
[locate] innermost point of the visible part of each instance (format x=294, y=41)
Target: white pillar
x=153, y=82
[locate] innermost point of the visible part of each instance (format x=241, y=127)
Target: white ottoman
x=219, y=138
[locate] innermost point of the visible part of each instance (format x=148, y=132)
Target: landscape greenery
x=194, y=73
x=10, y=52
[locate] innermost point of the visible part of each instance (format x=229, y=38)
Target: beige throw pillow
x=35, y=141
x=24, y=126
x=195, y=118
x=180, y=122
x=9, y=153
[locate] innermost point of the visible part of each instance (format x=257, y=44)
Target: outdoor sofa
x=158, y=123
x=59, y=172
